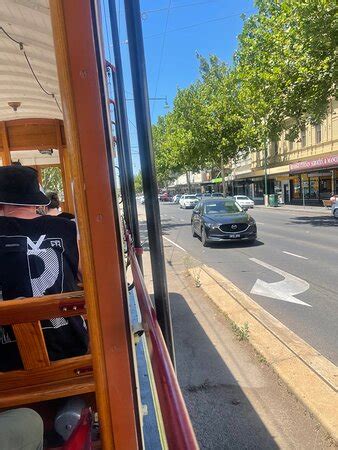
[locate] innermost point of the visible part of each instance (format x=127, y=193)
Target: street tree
x=138, y=183
x=286, y=64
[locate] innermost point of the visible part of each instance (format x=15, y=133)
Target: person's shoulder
x=59, y=222
x=66, y=215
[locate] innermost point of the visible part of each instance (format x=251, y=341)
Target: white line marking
x=182, y=220
x=294, y=254
x=260, y=223
x=174, y=243
x=280, y=290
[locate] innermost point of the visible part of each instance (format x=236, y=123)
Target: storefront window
x=325, y=186
x=305, y=186
x=259, y=188
x=314, y=188
x=295, y=188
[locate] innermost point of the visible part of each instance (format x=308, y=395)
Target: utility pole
x=223, y=174
x=266, y=200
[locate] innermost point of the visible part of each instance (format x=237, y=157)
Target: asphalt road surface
x=297, y=249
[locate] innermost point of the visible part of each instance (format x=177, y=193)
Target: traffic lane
x=286, y=251
x=297, y=241
x=316, y=325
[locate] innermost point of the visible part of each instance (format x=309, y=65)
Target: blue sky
x=206, y=27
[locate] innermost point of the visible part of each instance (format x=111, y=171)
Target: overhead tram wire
x=161, y=55
x=22, y=48
x=149, y=11
x=216, y=19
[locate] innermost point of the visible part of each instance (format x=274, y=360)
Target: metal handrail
x=178, y=428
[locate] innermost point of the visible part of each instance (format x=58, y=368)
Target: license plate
x=235, y=236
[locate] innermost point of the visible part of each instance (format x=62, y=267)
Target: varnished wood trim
x=64, y=369
x=5, y=154
x=88, y=270
x=38, y=308
x=31, y=344
x=44, y=392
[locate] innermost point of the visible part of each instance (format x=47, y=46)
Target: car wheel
x=335, y=213
x=204, y=238
x=193, y=231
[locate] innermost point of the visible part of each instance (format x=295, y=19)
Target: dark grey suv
x=222, y=219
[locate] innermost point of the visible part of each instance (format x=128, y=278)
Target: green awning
x=216, y=180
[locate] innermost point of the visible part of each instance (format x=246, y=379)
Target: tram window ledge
x=152, y=424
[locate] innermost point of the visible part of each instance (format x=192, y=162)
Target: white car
x=244, y=201
x=335, y=209
x=188, y=201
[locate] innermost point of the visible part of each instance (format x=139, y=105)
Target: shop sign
x=327, y=161
x=319, y=174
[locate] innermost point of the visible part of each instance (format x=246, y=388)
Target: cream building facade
x=300, y=171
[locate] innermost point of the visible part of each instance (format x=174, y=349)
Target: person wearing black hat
x=38, y=256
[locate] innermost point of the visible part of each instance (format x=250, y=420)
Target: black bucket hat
x=19, y=186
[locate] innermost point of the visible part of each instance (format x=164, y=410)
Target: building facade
x=304, y=171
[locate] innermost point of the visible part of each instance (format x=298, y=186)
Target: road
x=290, y=244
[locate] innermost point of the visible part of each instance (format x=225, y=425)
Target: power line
x=177, y=7
x=161, y=55
x=22, y=48
x=216, y=19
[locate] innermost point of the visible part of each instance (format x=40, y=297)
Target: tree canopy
x=283, y=76
x=286, y=63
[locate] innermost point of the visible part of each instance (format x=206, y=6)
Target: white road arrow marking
x=280, y=290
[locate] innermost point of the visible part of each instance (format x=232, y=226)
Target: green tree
x=51, y=178
x=286, y=64
x=138, y=183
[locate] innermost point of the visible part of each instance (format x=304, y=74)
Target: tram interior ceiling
x=54, y=110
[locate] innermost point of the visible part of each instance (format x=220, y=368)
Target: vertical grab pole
x=141, y=99
x=120, y=154
x=122, y=114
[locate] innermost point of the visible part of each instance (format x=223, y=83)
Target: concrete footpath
x=235, y=399
x=299, y=208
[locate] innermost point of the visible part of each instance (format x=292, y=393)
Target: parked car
x=218, y=220
x=176, y=198
x=164, y=197
x=244, y=201
x=335, y=209
x=188, y=201
x=212, y=194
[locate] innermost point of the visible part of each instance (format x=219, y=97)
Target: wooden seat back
x=42, y=379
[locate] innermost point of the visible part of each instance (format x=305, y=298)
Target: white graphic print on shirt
x=50, y=252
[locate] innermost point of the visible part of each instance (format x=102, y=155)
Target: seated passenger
x=53, y=209
x=21, y=429
x=38, y=256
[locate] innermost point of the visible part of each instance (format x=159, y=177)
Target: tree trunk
x=187, y=174
x=223, y=175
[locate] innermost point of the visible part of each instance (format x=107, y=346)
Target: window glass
x=318, y=133
x=222, y=208
x=303, y=136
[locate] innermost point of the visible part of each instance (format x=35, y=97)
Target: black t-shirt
x=40, y=257
x=66, y=215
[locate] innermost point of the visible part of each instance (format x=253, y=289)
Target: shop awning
x=216, y=180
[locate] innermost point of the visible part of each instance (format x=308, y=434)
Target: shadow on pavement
x=221, y=414
x=235, y=244
x=318, y=221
